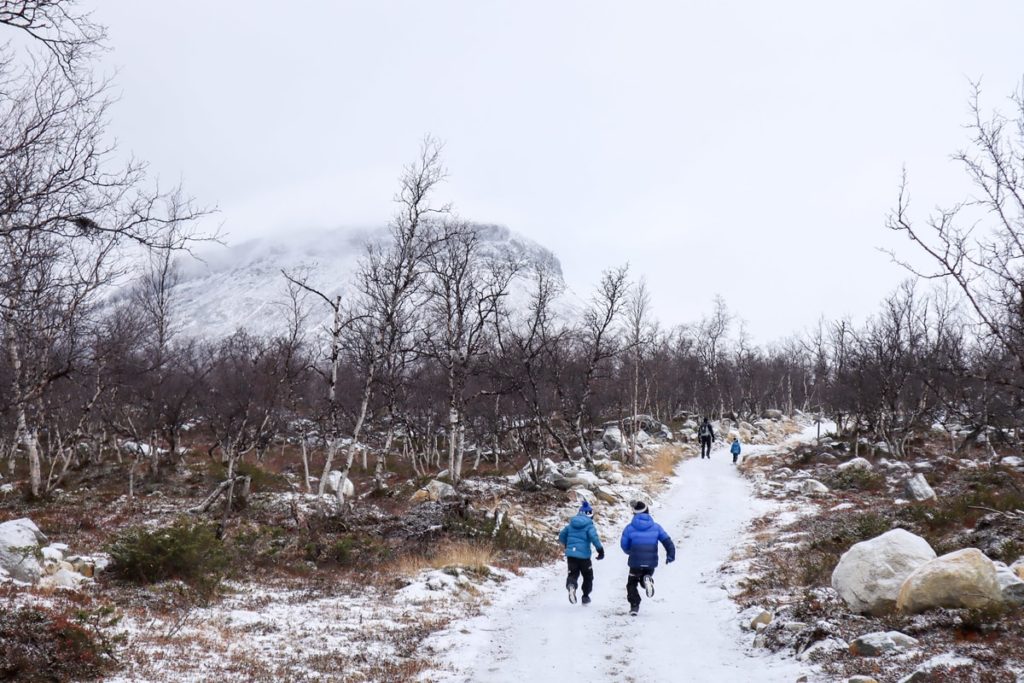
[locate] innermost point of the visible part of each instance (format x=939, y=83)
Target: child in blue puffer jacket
x=640, y=541
x=577, y=537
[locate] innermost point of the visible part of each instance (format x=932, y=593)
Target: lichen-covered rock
x=870, y=574
x=964, y=578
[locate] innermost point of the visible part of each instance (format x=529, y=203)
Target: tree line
x=441, y=352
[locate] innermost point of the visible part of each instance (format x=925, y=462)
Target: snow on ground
x=688, y=631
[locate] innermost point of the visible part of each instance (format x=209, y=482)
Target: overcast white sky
x=750, y=149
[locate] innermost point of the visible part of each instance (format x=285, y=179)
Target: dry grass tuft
x=476, y=557
x=665, y=460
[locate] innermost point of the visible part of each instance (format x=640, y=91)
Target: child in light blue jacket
x=577, y=537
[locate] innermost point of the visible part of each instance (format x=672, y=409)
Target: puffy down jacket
x=640, y=540
x=577, y=537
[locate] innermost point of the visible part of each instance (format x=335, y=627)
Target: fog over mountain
x=241, y=286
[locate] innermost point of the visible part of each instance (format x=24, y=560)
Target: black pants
x=705, y=447
x=636, y=574
x=579, y=566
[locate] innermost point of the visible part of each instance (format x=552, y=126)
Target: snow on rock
x=434, y=491
x=586, y=479
x=948, y=660
x=917, y=488
x=21, y=544
x=855, y=464
x=334, y=484
x=1010, y=585
x=813, y=487
x=612, y=438
x=963, y=578
x=65, y=578
x=881, y=642
x=1018, y=567
x=869, y=575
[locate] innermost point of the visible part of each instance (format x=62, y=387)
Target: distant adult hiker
x=577, y=537
x=735, y=449
x=640, y=541
x=706, y=434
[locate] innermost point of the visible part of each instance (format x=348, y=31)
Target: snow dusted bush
x=185, y=550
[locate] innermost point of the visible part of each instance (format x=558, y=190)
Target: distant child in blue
x=735, y=449
x=577, y=537
x=640, y=541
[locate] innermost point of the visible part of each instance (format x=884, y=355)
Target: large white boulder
x=869, y=575
x=813, y=487
x=65, y=578
x=917, y=488
x=612, y=438
x=587, y=479
x=880, y=643
x=21, y=544
x=855, y=464
x=334, y=483
x=964, y=578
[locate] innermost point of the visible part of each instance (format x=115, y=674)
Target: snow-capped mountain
x=242, y=286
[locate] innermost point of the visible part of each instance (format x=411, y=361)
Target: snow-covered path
x=688, y=631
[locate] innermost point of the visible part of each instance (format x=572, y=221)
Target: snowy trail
x=688, y=631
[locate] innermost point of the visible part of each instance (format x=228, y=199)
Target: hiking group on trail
x=639, y=540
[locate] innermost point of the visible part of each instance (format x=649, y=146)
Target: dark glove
x=600, y=554
x=669, y=560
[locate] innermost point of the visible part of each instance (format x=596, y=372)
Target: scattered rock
x=334, y=483
x=434, y=491
x=763, y=619
x=65, y=577
x=881, y=642
x=586, y=479
x=917, y=488
x=1018, y=567
x=607, y=495
x=614, y=477
x=964, y=578
x=612, y=438
x=823, y=647
x=21, y=544
x=869, y=575
x=855, y=464
x=813, y=487
x=1010, y=585
x=861, y=679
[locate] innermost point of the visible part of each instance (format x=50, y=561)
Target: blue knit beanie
x=585, y=509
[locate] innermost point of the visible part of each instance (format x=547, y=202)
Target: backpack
x=705, y=429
